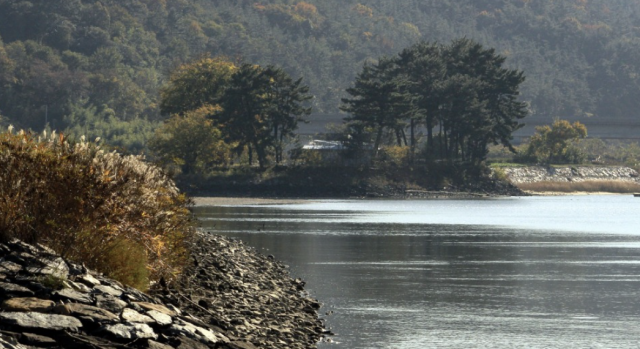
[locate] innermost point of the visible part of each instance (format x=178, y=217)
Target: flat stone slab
x=88, y=280
x=130, y=315
x=156, y=307
x=73, y=295
x=10, y=267
x=195, y=332
x=38, y=340
x=15, y=290
x=57, y=267
x=80, y=287
x=27, y=304
x=108, y=290
x=34, y=320
x=161, y=319
x=132, y=331
x=92, y=312
x=110, y=303
x=155, y=345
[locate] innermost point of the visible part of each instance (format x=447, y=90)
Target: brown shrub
x=86, y=203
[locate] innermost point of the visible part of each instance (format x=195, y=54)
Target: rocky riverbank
x=230, y=297
x=533, y=174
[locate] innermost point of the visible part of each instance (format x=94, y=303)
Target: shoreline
x=242, y=201
x=574, y=193
x=239, y=201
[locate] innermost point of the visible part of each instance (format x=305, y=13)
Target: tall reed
x=93, y=206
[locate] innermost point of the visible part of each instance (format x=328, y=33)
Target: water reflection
x=398, y=278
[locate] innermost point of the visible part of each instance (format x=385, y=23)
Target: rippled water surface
x=539, y=272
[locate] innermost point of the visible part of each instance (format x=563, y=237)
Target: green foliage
x=500, y=175
x=611, y=152
x=127, y=263
x=555, y=144
x=262, y=108
x=580, y=57
x=462, y=88
x=84, y=203
x=191, y=142
x=52, y=281
x=195, y=85
x=253, y=107
x=93, y=123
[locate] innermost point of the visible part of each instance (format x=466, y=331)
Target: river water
x=534, y=272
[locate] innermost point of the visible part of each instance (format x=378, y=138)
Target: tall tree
x=462, y=88
x=262, y=108
x=195, y=85
x=286, y=107
x=378, y=100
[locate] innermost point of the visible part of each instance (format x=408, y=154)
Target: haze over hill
x=95, y=67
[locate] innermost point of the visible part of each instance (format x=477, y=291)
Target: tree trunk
x=412, y=148
x=376, y=145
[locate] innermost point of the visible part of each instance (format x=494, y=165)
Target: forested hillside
x=96, y=66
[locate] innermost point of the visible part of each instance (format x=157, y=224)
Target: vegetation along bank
x=98, y=249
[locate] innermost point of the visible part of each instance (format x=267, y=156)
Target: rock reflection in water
x=444, y=285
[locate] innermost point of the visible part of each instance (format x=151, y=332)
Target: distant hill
x=96, y=65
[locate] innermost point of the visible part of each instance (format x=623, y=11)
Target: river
x=531, y=272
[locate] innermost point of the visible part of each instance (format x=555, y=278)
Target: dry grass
x=117, y=214
x=622, y=187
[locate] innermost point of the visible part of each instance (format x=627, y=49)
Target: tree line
x=95, y=67
x=460, y=93
x=218, y=108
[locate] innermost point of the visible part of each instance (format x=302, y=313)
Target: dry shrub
x=100, y=208
x=500, y=175
x=395, y=156
x=586, y=186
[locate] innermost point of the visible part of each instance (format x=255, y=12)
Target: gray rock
x=156, y=307
x=130, y=315
x=188, y=343
x=56, y=267
x=73, y=295
x=76, y=286
x=110, y=303
x=9, y=267
x=37, y=340
x=242, y=345
x=198, y=333
x=10, y=343
x=41, y=321
x=132, y=331
x=108, y=290
x=95, y=313
x=15, y=290
x=88, y=280
x=161, y=319
x=156, y=345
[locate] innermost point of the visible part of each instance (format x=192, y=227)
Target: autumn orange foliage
x=117, y=214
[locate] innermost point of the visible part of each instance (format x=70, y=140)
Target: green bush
x=86, y=203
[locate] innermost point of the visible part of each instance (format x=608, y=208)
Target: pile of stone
x=50, y=302
x=533, y=174
x=249, y=295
